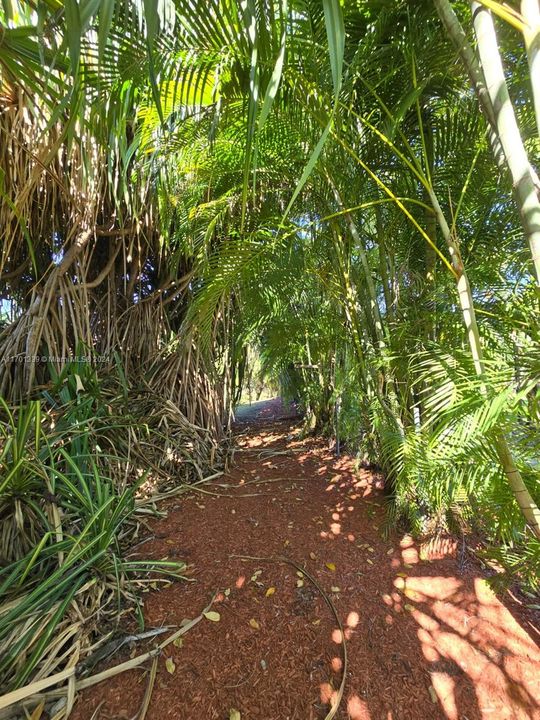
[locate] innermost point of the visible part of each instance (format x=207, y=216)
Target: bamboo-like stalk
x=508, y=130
x=359, y=246
x=530, y=10
x=523, y=498
x=458, y=38
x=383, y=267
x=489, y=83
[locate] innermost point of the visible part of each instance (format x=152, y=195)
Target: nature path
x=425, y=636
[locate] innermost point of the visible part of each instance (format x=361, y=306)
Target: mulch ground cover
x=425, y=637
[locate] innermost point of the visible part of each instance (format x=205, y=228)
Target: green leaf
x=335, y=33
x=273, y=85
x=106, y=13
x=74, y=31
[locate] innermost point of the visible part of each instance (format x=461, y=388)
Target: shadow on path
x=426, y=637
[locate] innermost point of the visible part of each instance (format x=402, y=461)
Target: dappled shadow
x=426, y=638
x=467, y=634
x=439, y=635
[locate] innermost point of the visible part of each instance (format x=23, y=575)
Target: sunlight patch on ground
x=464, y=631
x=357, y=708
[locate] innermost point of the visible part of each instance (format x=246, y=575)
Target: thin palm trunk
x=489, y=83
x=508, y=130
x=530, y=10
x=383, y=267
x=359, y=247
x=458, y=38
x=528, y=507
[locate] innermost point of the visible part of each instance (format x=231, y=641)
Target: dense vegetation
x=349, y=188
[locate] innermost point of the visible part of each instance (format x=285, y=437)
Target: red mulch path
x=426, y=637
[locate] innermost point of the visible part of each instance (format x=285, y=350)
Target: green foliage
x=316, y=180
x=66, y=528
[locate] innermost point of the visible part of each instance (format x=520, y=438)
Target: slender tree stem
x=508, y=130
x=528, y=507
x=530, y=10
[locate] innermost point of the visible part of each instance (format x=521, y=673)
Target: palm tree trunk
x=508, y=130
x=528, y=507
x=359, y=247
x=526, y=504
x=530, y=10
x=474, y=71
x=383, y=267
x=490, y=87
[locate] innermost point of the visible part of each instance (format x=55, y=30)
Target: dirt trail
x=426, y=638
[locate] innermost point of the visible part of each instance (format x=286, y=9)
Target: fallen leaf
x=369, y=561
x=312, y=556
x=390, y=552
x=234, y=714
x=254, y=624
x=299, y=583
x=227, y=592
x=316, y=622
x=331, y=566
x=178, y=642
x=270, y=591
x=212, y=615
x=433, y=694
x=402, y=574
x=169, y=664
x=408, y=607
x=300, y=574
x=335, y=589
